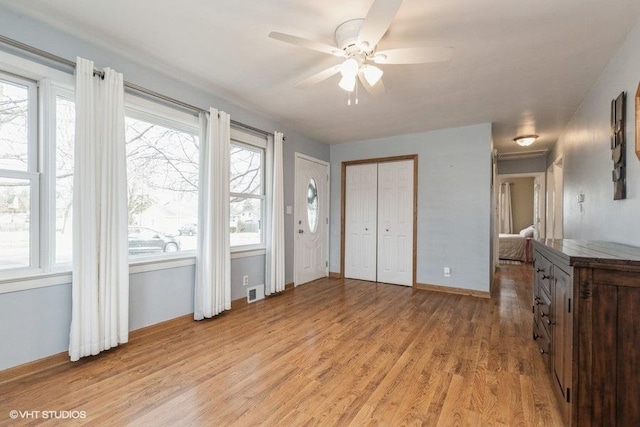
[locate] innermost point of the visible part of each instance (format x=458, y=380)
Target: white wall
x=585, y=144
x=454, y=201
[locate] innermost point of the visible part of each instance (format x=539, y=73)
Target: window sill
x=142, y=265
x=34, y=279
x=247, y=252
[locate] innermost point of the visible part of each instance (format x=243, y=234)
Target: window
x=63, y=192
x=19, y=179
x=162, y=183
x=247, y=208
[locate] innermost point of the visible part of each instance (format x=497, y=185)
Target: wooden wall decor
x=638, y=121
x=618, y=146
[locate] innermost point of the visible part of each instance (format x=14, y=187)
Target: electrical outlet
x=447, y=272
x=245, y=280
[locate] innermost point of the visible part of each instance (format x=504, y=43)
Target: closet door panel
x=361, y=201
x=395, y=222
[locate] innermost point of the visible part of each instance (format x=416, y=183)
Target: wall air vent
x=255, y=293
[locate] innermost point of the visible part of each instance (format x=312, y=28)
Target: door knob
x=387, y=230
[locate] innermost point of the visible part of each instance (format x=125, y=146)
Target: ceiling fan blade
x=376, y=90
x=307, y=44
x=318, y=77
x=413, y=55
x=378, y=21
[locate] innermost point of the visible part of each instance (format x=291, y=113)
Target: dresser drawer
x=542, y=271
x=544, y=343
x=544, y=314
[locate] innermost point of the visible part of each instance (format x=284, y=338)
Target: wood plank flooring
x=331, y=352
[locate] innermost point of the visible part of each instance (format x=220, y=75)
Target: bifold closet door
x=361, y=207
x=395, y=223
x=379, y=222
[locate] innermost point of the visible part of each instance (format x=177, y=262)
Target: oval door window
x=312, y=205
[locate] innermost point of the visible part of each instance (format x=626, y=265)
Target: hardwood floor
x=331, y=352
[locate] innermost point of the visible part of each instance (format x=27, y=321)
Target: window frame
x=243, y=139
x=31, y=173
x=50, y=150
x=158, y=113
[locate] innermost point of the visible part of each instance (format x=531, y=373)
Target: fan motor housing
x=347, y=35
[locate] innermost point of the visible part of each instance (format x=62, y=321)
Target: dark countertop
x=589, y=252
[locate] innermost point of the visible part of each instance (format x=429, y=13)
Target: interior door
x=395, y=222
x=361, y=208
x=311, y=219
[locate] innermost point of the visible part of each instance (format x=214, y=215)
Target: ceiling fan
x=357, y=42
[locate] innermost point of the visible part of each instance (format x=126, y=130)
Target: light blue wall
x=585, y=146
x=35, y=323
x=454, y=201
x=159, y=295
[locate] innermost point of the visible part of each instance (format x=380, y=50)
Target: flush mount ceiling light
x=525, y=140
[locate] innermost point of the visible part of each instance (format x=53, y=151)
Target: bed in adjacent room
x=516, y=247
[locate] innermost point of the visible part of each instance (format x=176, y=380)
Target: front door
x=311, y=219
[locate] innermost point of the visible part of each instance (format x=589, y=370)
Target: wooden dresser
x=586, y=322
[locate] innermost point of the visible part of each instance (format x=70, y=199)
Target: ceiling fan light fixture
x=347, y=83
x=525, y=140
x=372, y=74
x=379, y=58
x=350, y=68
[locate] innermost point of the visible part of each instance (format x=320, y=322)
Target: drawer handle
x=539, y=302
x=549, y=322
x=545, y=277
x=539, y=270
x=542, y=351
x=535, y=336
x=536, y=298
x=543, y=314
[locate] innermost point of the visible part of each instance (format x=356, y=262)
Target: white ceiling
x=523, y=65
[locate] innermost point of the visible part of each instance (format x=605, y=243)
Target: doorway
x=311, y=206
x=534, y=207
x=378, y=219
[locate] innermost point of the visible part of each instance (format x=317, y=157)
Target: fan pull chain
x=356, y=92
x=356, y=95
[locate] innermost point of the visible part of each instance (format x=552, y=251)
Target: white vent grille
x=255, y=293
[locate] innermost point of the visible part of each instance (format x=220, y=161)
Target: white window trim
x=157, y=113
x=31, y=174
x=240, y=138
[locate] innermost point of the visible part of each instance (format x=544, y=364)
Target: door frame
x=542, y=196
x=555, y=215
x=295, y=201
x=343, y=185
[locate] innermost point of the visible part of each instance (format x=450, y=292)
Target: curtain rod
x=128, y=85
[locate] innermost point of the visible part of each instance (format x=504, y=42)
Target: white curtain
x=275, y=238
x=100, y=284
x=506, y=215
x=213, y=258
